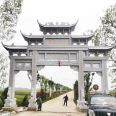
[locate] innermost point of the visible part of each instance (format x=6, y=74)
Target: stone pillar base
x=10, y=104
x=81, y=105
x=32, y=105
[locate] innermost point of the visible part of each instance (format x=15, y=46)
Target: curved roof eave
x=49, y=26
x=101, y=47
x=26, y=37
x=12, y=47
x=73, y=25
x=4, y=45
x=41, y=26
x=82, y=36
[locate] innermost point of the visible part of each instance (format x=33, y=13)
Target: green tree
x=45, y=84
x=65, y=88
x=3, y=68
x=25, y=101
x=40, y=79
x=75, y=87
x=3, y=97
x=9, y=11
x=106, y=35
x=57, y=87
x=51, y=84
x=88, y=78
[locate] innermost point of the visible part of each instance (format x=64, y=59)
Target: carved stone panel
x=92, y=65
x=41, y=56
x=73, y=56
x=22, y=66
x=57, y=42
x=96, y=65
x=56, y=56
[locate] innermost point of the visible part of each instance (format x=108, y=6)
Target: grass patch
x=22, y=92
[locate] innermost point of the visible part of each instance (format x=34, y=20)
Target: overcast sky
x=87, y=12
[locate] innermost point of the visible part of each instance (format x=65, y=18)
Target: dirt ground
x=55, y=107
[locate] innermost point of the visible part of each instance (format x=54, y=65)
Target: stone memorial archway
x=53, y=50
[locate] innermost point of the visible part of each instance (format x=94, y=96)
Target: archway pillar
x=32, y=101
x=81, y=91
x=10, y=102
x=104, y=80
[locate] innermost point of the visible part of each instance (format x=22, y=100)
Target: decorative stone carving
x=27, y=65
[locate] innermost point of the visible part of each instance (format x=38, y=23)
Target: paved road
x=55, y=107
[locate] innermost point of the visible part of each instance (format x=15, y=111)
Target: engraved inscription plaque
x=57, y=42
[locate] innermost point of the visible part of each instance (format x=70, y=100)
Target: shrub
x=25, y=101
x=1, y=104
x=75, y=91
x=3, y=97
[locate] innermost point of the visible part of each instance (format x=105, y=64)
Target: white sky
x=87, y=12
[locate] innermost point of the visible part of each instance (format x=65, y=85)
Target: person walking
x=65, y=100
x=39, y=103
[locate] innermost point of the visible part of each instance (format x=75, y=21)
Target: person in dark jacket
x=65, y=100
x=39, y=103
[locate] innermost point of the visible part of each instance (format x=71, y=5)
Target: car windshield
x=103, y=100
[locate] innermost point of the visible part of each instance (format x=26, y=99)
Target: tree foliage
x=88, y=78
x=48, y=85
x=75, y=87
x=9, y=12
x=3, y=68
x=57, y=86
x=106, y=35
x=3, y=97
x=25, y=101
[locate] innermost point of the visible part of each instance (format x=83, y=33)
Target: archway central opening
x=60, y=74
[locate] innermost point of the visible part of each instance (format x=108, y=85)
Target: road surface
x=55, y=107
